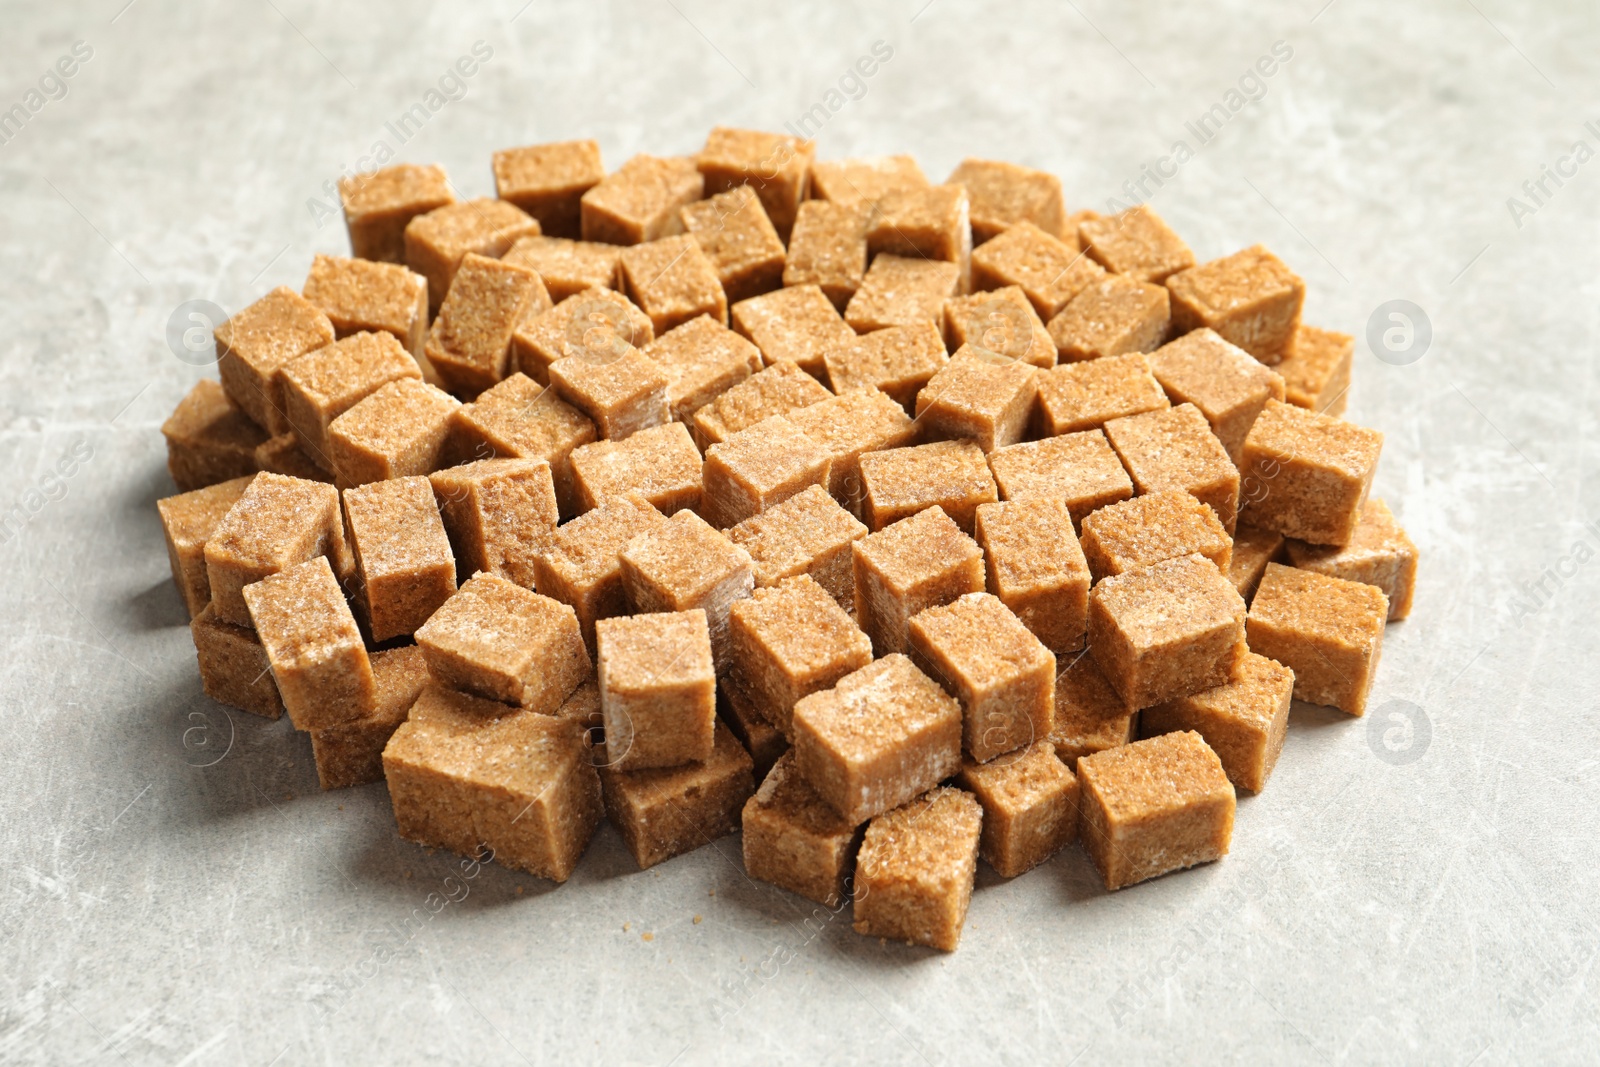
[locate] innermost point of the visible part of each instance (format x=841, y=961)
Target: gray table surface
x=1413, y=887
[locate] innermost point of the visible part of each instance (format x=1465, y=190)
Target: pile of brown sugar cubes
x=894, y=523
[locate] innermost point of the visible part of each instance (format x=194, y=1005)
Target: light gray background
x=1438, y=910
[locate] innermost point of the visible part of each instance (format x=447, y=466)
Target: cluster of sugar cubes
x=897, y=524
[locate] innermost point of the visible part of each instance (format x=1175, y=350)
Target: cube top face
x=558, y=167
x=494, y=621
x=1083, y=396
x=734, y=231
x=686, y=557
x=1315, y=605
x=1019, y=779
x=206, y=412
x=897, y=360
x=916, y=549
x=857, y=181
x=659, y=462
x=1379, y=553
x=1297, y=436
x=929, y=842
x=777, y=390
x=767, y=455
x=1316, y=369
x=302, y=616
x=470, y=339
x=639, y=201
x=602, y=383
x=702, y=359
x=854, y=422
x=1136, y=242
x=1090, y=716
x=336, y=375
x=486, y=743
x=189, y=518
x=1170, y=602
x=1112, y=317
x=1171, y=449
x=1155, y=777
x=275, y=518
x=787, y=537
x=567, y=267
x=1050, y=271
x=1253, y=697
x=902, y=291
x=1000, y=322
x=798, y=323
x=1234, y=283
x=980, y=395
x=878, y=708
x=801, y=627
x=1030, y=543
x=362, y=292
x=643, y=653
x=403, y=187
x=755, y=156
x=1204, y=369
x=1004, y=194
x=274, y=330
x=395, y=527
x=524, y=419
x=395, y=415
x=672, y=281
x=484, y=225
x=1148, y=529
x=597, y=322
x=587, y=548
x=980, y=639
x=931, y=222
x=953, y=475
x=1069, y=467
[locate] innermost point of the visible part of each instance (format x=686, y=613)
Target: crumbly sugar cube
x=902, y=291
x=898, y=361
x=257, y=342
x=639, y=201
x=932, y=223
x=276, y=522
x=702, y=359
x=1036, y=568
x=760, y=738
x=327, y=382
x=397, y=430
x=899, y=483
x=313, y=645
x=916, y=867
x=738, y=238
x=597, y=321
x=187, y=521
x=1166, y=630
x=658, y=689
x=497, y=640
x=1153, y=807
x=283, y=454
x=758, y=468
x=810, y=533
x=234, y=669
x=672, y=281
x=437, y=241
x=918, y=562
x=828, y=249
x=548, y=181
x=1243, y=721
x=623, y=392
x=359, y=295
x=1078, y=469
x=582, y=567
x=1111, y=317
x=500, y=515
x=404, y=565
x=1004, y=194
x=660, y=463
x=209, y=439
x=1090, y=716
x=1174, y=448
x=470, y=342
x=1227, y=384
x=986, y=398
x=1307, y=475
x=684, y=563
x=777, y=390
x=1148, y=529
x=798, y=323
x=1316, y=369
x=378, y=205
x=795, y=841
x=881, y=736
x=849, y=426
x=1378, y=553
x=567, y=267
x=1030, y=807
x=1001, y=322
x=776, y=166
x=1050, y=271
x=351, y=753
x=861, y=181
x=1250, y=298
x=1328, y=631
x=1136, y=242
x=1253, y=549
x=664, y=812
x=1075, y=397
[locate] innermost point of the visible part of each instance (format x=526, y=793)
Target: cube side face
x=544, y=834
x=1329, y=672
x=1126, y=853
x=333, y=691
x=885, y=777
x=776, y=850
x=234, y=669
x=398, y=604
x=351, y=755
x=1248, y=749
x=1301, y=498
x=460, y=669
x=664, y=726
x=430, y=808
x=908, y=912
x=1011, y=715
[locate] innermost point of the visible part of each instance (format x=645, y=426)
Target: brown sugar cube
x=313, y=645
x=1175, y=449
x=1049, y=271
x=777, y=167
x=984, y=657
x=283, y=454
x=187, y=520
x=1075, y=397
x=777, y=390
x=500, y=515
x=1078, y=469
x=807, y=534
x=233, y=666
x=828, y=249
x=1002, y=322
x=548, y=181
x=1253, y=549
x=622, y=393
x=359, y=295
x=209, y=440
x=276, y=522
x=470, y=342
x=798, y=323
x=467, y=774
x=858, y=181
x=596, y=322
x=520, y=419
x=915, y=870
x=898, y=483
x=789, y=641
x=672, y=281
x=658, y=689
x=1090, y=716
x=582, y=567
x=881, y=736
x=378, y=205
x=702, y=359
x=1166, y=630
x=1378, y=553
x=979, y=396
x=1004, y=194
x=1250, y=298
x=849, y=426
x=1137, y=243
x=1329, y=631
x=1030, y=807
x=684, y=564
x=1111, y=317
x=438, y=241
x=497, y=640
x=1036, y=568
x=398, y=430
x=639, y=202
x=664, y=812
x=1244, y=720
x=931, y=223
x=1153, y=807
x=758, y=468
x=327, y=382
x=760, y=738
x=1306, y=475
x=794, y=840
x=351, y=753
x=1226, y=383
x=901, y=291
x=255, y=343
x=661, y=464
x=1148, y=529
x=916, y=563
x=403, y=558
x=898, y=361
x=567, y=267
x=737, y=237
x=1316, y=369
